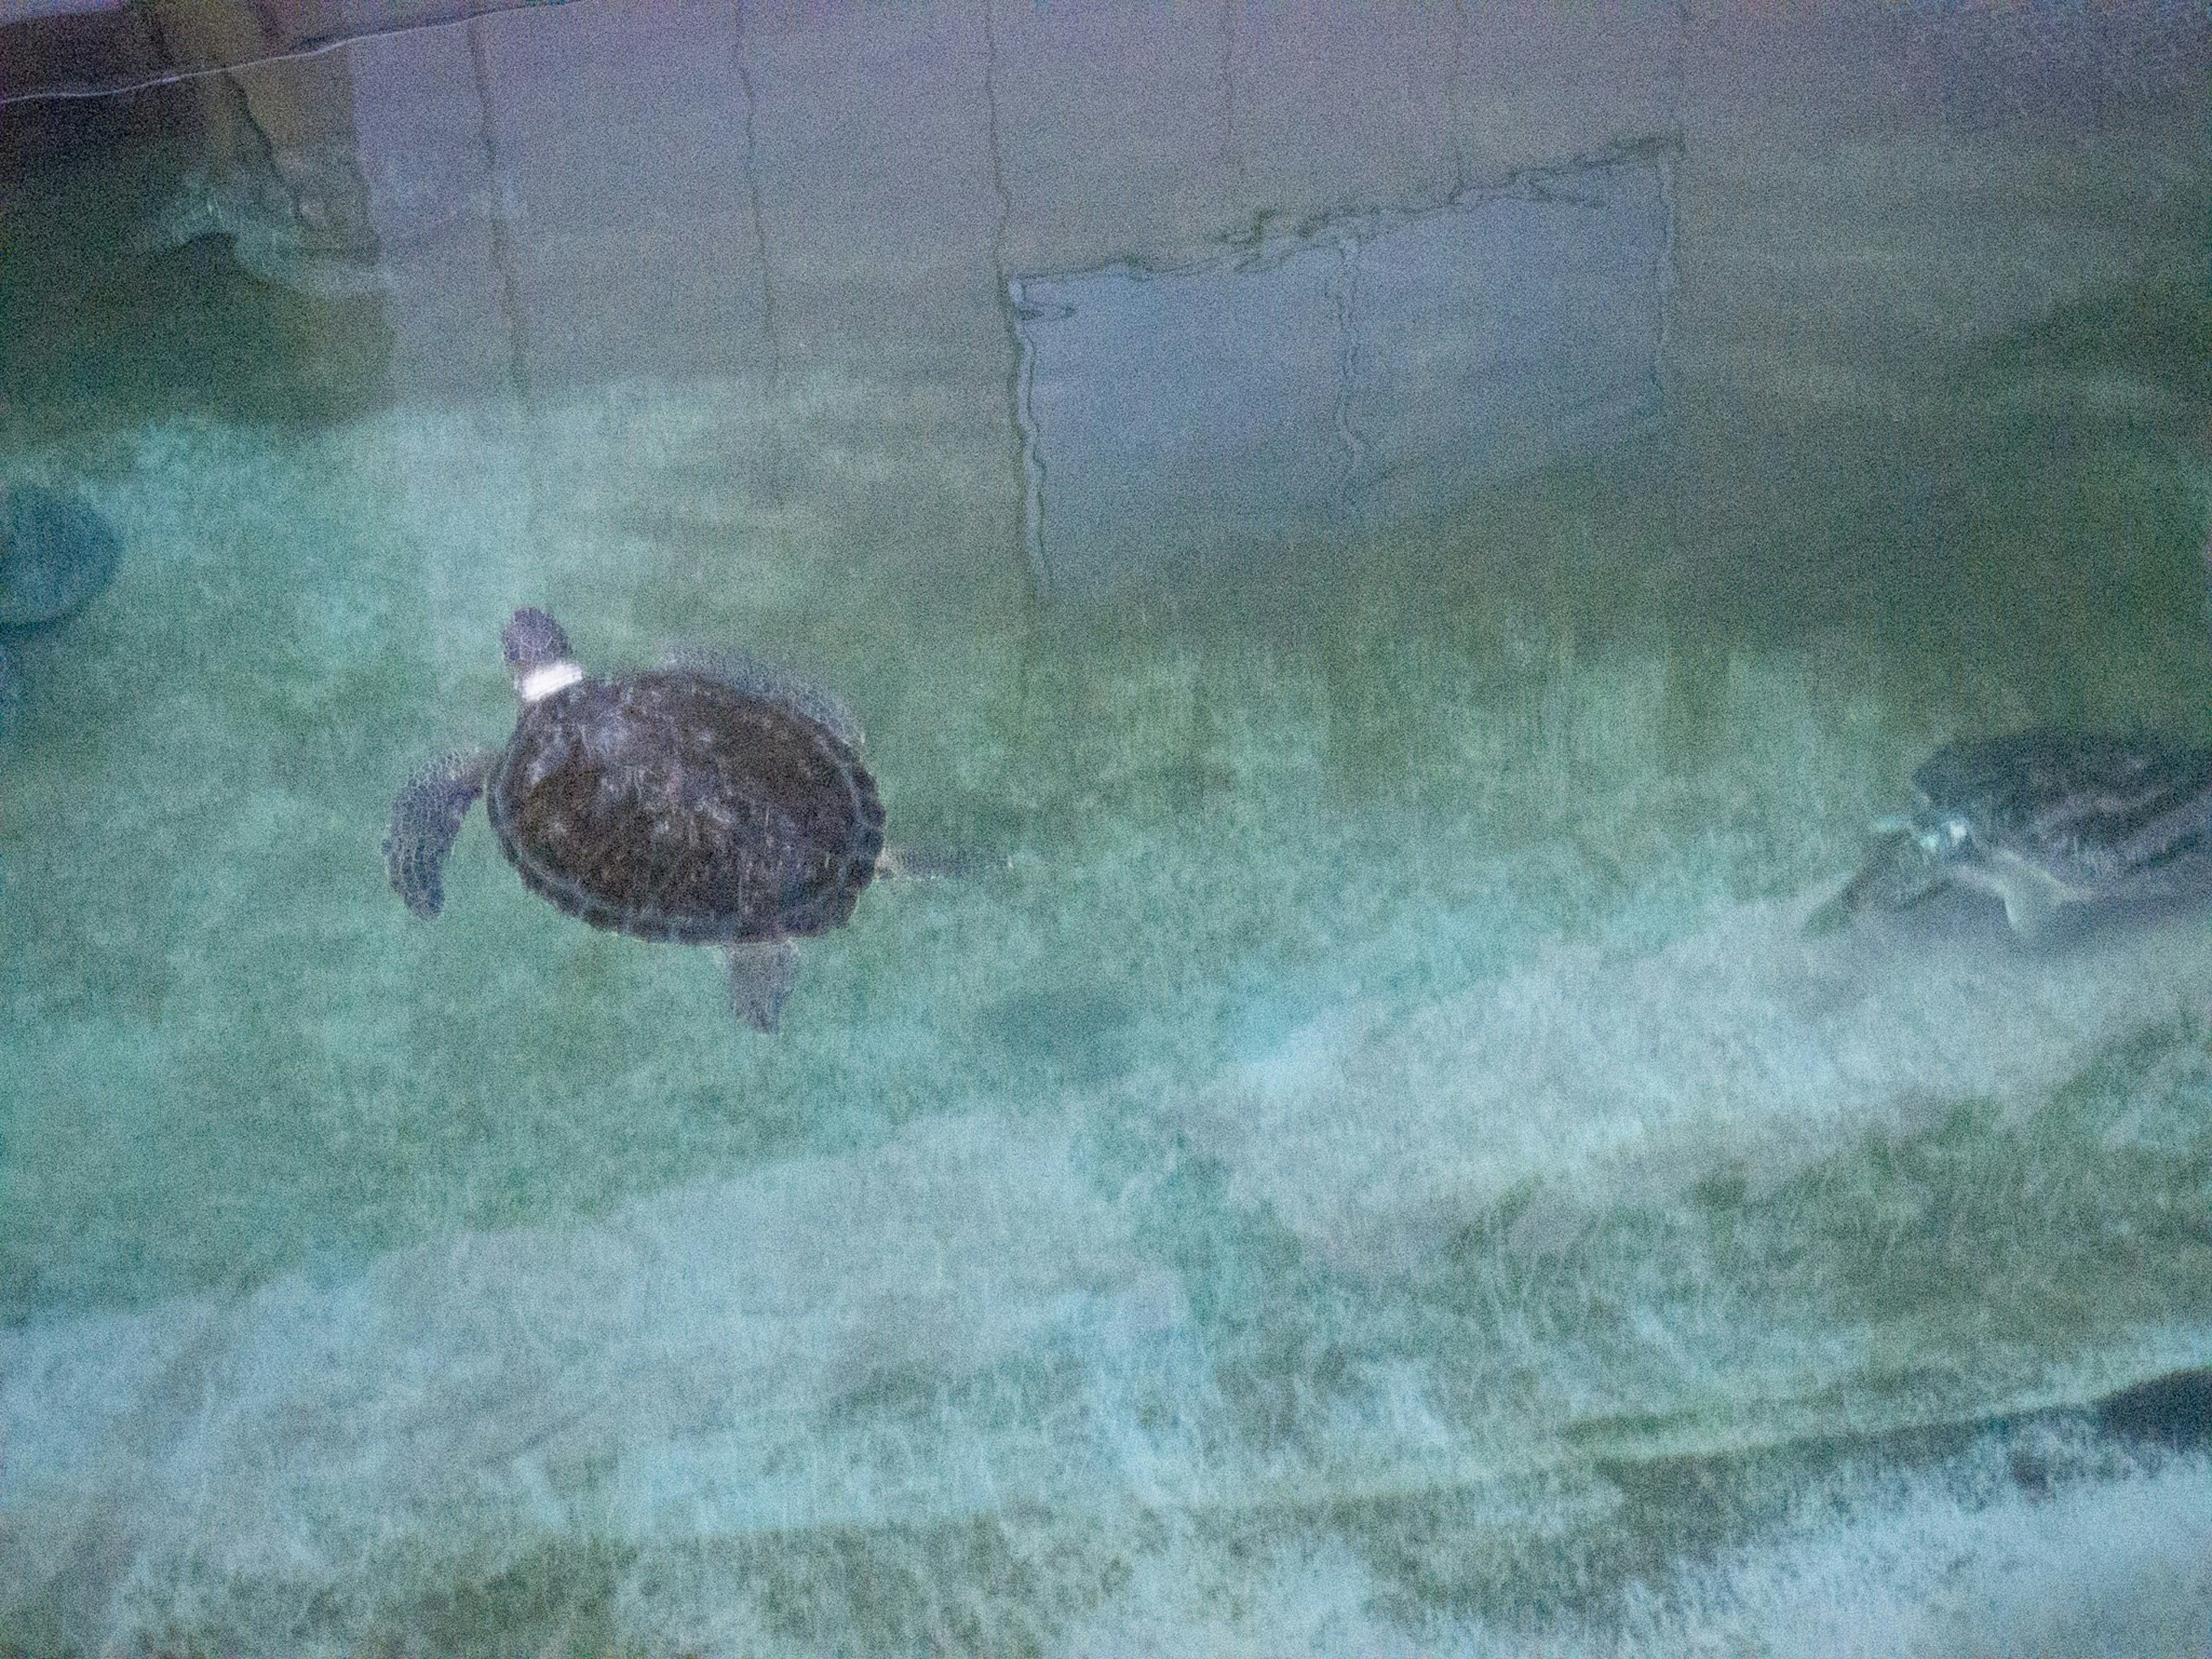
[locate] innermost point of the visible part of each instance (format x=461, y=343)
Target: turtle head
x=536, y=654
x=1945, y=837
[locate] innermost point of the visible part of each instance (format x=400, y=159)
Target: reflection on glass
x=1367, y=370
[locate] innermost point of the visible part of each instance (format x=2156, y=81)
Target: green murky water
x=1378, y=1170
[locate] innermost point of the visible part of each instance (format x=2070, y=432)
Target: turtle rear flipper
x=762, y=974
x=426, y=817
x=938, y=863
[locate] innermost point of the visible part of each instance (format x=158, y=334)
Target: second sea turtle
x=2046, y=820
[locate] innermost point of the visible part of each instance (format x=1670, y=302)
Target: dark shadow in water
x=2173, y=1411
x=1082, y=1036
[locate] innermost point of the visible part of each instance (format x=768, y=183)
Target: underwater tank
x=1386, y=568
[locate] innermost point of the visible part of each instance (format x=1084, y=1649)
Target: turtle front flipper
x=1896, y=874
x=2032, y=896
x=762, y=974
x=426, y=816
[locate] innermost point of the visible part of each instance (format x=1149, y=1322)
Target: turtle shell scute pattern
x=674, y=806
x=2096, y=806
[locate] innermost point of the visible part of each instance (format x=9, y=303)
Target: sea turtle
x=56, y=554
x=2043, y=819
x=710, y=801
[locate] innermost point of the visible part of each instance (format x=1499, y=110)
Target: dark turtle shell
x=2043, y=819
x=2092, y=807
x=676, y=806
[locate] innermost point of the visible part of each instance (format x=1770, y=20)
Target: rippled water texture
x=1413, y=546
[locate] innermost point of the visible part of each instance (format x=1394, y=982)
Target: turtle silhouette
x=2051, y=821
x=713, y=801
